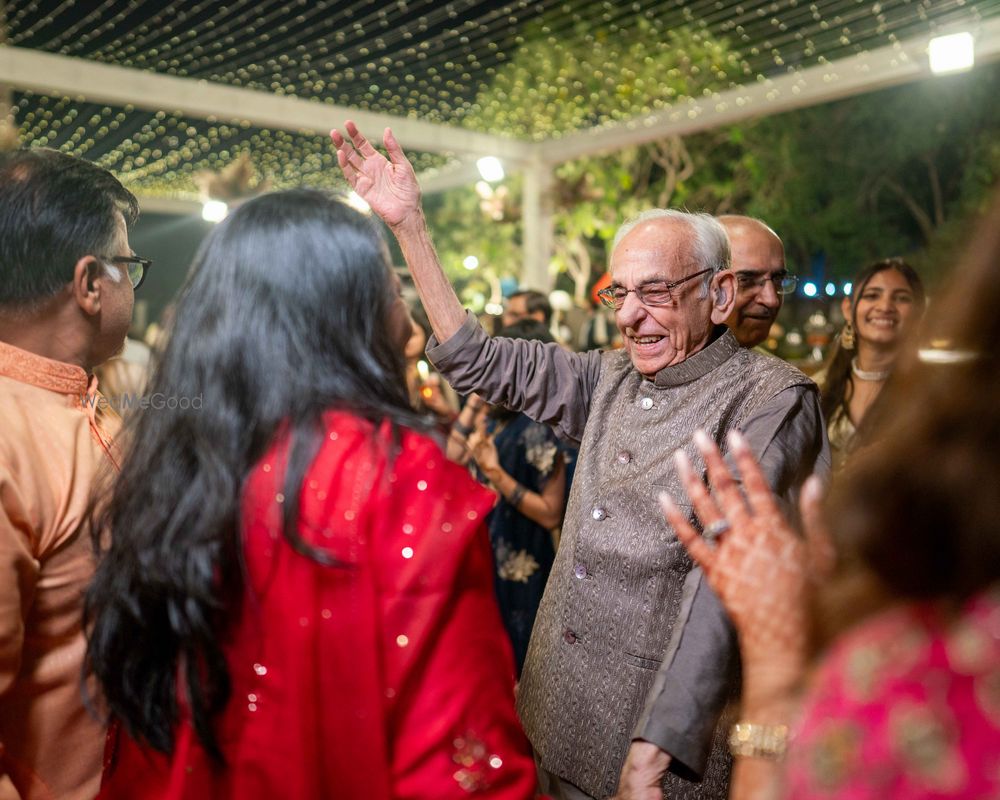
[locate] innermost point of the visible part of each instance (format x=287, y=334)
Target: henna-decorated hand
x=388, y=185
x=760, y=567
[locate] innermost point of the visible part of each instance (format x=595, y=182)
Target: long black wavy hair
x=287, y=312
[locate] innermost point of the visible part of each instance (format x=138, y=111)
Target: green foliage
x=557, y=83
x=562, y=81
x=888, y=173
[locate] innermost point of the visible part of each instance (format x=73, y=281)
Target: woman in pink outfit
x=905, y=704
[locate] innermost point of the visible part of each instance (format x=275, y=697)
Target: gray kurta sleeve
x=700, y=665
x=545, y=381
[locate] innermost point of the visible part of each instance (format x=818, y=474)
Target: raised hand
x=760, y=567
x=388, y=185
x=484, y=449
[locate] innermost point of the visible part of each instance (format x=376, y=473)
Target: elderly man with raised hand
x=631, y=654
x=67, y=276
x=759, y=263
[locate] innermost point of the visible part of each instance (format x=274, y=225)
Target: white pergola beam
x=450, y=176
x=865, y=72
x=50, y=73
x=168, y=205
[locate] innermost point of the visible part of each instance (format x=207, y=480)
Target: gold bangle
x=750, y=740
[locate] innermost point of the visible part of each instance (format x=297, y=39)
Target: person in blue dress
x=525, y=463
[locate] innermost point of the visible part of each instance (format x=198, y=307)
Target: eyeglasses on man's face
x=783, y=282
x=650, y=293
x=135, y=267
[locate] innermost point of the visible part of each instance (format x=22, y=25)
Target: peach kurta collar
x=45, y=373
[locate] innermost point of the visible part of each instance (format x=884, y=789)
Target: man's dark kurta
x=629, y=642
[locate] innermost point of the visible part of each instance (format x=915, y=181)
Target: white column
x=6, y=94
x=536, y=220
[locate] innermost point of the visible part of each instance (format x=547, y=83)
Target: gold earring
x=847, y=336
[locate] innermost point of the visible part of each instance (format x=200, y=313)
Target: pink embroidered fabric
x=907, y=706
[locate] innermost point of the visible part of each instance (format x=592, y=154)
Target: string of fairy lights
x=423, y=59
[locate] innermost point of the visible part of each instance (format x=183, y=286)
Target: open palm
x=761, y=568
x=388, y=185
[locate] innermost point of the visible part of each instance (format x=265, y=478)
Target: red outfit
x=387, y=677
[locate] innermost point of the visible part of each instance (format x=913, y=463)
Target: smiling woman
x=888, y=298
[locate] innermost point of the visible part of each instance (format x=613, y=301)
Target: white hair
x=710, y=246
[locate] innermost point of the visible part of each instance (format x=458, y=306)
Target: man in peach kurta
x=66, y=295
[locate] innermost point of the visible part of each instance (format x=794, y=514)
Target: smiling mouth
x=879, y=322
x=645, y=340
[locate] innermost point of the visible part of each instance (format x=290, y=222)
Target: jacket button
x=646, y=403
x=580, y=571
x=624, y=457
x=599, y=514
x=569, y=636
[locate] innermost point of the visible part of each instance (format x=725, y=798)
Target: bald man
x=759, y=264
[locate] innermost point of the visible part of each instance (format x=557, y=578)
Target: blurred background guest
x=527, y=304
x=428, y=393
x=525, y=463
x=762, y=280
x=124, y=375
x=886, y=300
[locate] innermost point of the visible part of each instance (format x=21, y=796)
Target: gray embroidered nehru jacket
x=628, y=641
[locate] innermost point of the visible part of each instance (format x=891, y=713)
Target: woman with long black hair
x=295, y=600
x=886, y=301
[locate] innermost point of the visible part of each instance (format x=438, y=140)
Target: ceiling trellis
x=122, y=79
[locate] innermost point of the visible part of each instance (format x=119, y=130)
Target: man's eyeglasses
x=135, y=267
x=651, y=293
x=783, y=282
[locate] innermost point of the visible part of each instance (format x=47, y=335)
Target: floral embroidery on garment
x=869, y=667
x=987, y=695
x=513, y=565
x=925, y=740
x=539, y=449
x=836, y=753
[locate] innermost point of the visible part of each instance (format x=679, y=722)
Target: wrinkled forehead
x=661, y=248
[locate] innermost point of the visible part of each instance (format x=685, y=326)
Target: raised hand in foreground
x=388, y=185
x=759, y=567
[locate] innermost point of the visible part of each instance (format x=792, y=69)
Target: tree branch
x=918, y=213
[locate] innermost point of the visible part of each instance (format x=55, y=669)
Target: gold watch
x=758, y=741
